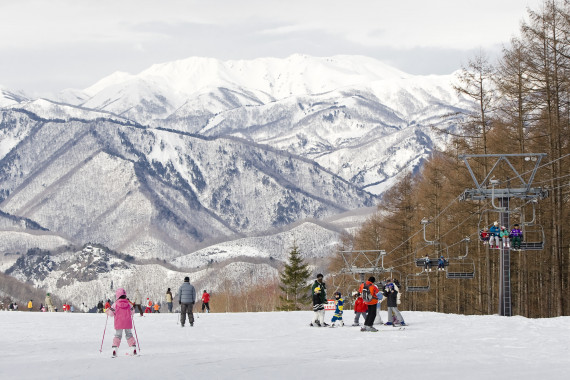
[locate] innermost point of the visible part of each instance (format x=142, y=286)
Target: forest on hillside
x=521, y=108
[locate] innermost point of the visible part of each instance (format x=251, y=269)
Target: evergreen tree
x=294, y=282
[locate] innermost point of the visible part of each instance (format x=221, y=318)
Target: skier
x=391, y=294
x=122, y=311
x=205, y=301
x=169, y=300
x=339, y=306
x=371, y=316
x=360, y=308
x=156, y=308
x=49, y=304
x=30, y=305
x=494, y=235
x=484, y=235
x=504, y=234
x=137, y=302
x=427, y=263
x=516, y=236
x=319, y=291
x=440, y=264
x=186, y=300
x=99, y=306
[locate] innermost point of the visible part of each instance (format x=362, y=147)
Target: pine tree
x=294, y=282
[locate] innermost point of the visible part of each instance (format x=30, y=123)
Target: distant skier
x=137, y=302
x=30, y=305
x=122, y=311
x=205, y=301
x=186, y=300
x=49, y=303
x=100, y=307
x=169, y=300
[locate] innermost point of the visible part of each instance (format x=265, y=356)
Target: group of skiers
x=367, y=304
x=496, y=234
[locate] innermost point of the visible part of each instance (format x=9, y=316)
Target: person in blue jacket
x=494, y=232
x=441, y=263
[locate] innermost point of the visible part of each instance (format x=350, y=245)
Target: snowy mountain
x=156, y=193
x=202, y=162
x=358, y=117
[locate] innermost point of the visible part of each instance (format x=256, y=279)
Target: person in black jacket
x=319, y=293
x=394, y=316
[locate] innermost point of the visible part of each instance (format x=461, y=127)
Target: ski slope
x=281, y=345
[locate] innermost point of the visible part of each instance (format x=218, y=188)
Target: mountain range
x=200, y=160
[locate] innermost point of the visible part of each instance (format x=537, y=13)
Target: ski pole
x=134, y=328
x=101, y=349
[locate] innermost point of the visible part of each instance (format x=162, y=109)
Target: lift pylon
x=488, y=189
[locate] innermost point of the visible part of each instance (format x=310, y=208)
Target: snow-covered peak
x=295, y=75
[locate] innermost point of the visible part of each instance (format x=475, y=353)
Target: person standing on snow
x=186, y=300
x=319, y=292
x=122, y=311
x=394, y=317
x=49, y=304
x=169, y=300
x=205, y=301
x=30, y=305
x=371, y=316
x=360, y=308
x=137, y=301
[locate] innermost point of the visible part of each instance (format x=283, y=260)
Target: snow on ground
x=281, y=345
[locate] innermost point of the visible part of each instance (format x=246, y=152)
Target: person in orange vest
x=373, y=290
x=156, y=307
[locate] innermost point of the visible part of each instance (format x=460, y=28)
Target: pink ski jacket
x=122, y=312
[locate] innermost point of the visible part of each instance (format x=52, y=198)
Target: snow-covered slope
x=280, y=345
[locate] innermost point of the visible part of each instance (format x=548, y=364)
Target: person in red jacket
x=369, y=322
x=205, y=301
x=360, y=308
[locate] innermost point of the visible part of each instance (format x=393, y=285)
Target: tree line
x=521, y=104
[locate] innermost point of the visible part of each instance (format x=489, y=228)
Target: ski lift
x=461, y=268
x=417, y=282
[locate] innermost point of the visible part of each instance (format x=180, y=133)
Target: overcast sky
x=49, y=45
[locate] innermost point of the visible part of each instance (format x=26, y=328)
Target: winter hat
x=186, y=279
x=337, y=293
x=320, y=275
x=120, y=292
x=496, y=223
x=355, y=293
x=372, y=279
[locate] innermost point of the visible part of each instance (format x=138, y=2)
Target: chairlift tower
x=488, y=189
x=364, y=261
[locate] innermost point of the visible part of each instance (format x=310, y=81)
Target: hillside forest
x=521, y=108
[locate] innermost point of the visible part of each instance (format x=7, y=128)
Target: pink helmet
x=120, y=292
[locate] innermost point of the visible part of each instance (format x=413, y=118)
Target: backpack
x=366, y=294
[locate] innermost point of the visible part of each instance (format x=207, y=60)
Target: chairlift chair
x=461, y=268
x=417, y=282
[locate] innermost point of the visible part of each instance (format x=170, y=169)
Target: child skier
x=494, y=235
x=485, y=236
x=122, y=311
x=360, y=308
x=339, y=303
x=504, y=234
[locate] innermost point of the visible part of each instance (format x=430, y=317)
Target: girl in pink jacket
x=122, y=310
